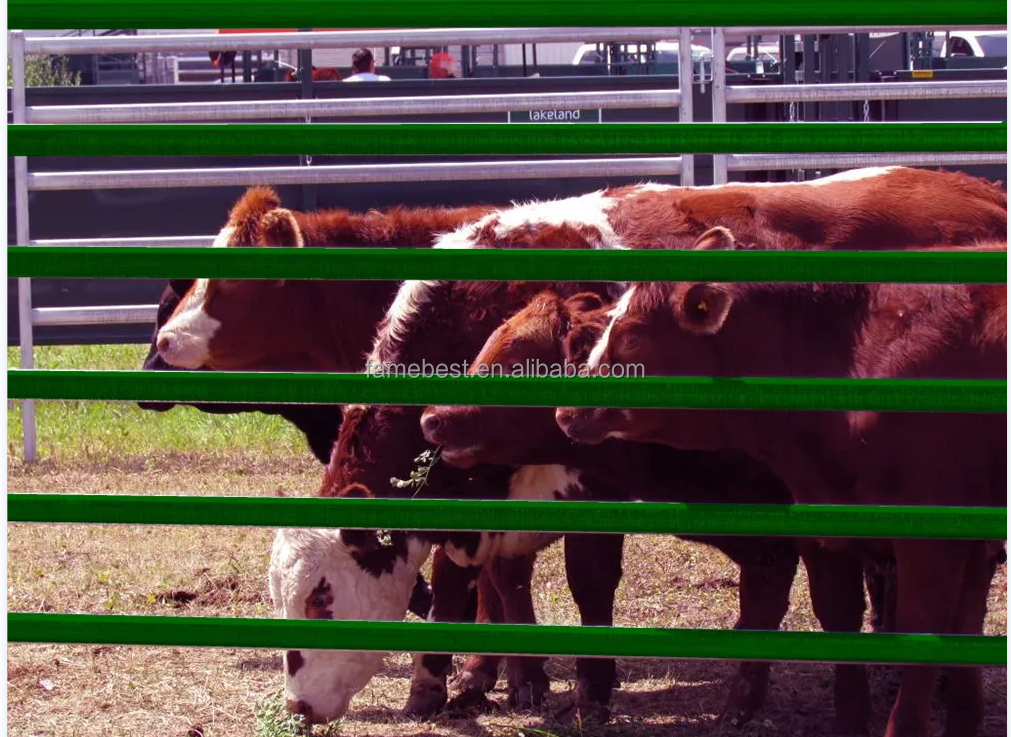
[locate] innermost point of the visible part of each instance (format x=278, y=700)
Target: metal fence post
x=719, y=98
x=25, y=342
x=685, y=76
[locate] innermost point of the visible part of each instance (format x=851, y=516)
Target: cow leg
x=527, y=681
x=593, y=570
x=836, y=582
x=451, y=594
x=480, y=672
x=964, y=704
x=931, y=578
x=768, y=568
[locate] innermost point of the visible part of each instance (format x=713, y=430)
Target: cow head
x=228, y=324
x=551, y=334
x=340, y=575
x=663, y=329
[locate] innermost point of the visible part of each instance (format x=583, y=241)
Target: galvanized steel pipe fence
x=136, y=120
x=127, y=260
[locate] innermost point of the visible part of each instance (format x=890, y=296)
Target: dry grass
x=87, y=691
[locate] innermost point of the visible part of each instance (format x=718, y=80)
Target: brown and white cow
x=303, y=325
x=898, y=458
x=846, y=211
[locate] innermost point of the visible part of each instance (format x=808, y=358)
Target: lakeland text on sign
x=554, y=116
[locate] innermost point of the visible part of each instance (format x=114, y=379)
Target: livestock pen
x=662, y=150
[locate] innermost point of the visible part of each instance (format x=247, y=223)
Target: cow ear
x=584, y=302
x=703, y=308
x=716, y=239
x=579, y=342
x=279, y=229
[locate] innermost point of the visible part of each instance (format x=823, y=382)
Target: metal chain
x=793, y=112
x=308, y=157
x=867, y=111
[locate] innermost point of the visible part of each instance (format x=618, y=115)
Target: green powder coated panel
x=561, y=641
x=494, y=264
x=45, y=14
x=530, y=139
x=896, y=395
x=793, y=520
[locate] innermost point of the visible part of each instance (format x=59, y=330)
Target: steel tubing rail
x=762, y=162
x=832, y=30
x=342, y=39
x=842, y=92
x=114, y=315
x=204, y=112
x=426, y=172
x=179, y=241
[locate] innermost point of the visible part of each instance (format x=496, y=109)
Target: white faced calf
x=342, y=575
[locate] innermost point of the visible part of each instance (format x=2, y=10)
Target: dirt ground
x=71, y=691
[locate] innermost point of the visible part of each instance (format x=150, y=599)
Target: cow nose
x=299, y=707
x=164, y=343
x=430, y=425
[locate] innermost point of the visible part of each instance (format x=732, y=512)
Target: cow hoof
x=747, y=696
x=425, y=700
x=470, y=701
x=529, y=696
x=580, y=711
x=473, y=680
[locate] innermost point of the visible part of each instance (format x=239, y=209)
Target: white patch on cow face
x=616, y=313
x=328, y=679
x=184, y=340
x=529, y=483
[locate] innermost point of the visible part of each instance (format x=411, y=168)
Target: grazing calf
x=556, y=332
x=898, y=458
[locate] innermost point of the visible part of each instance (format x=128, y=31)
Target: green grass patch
x=97, y=431
x=272, y=720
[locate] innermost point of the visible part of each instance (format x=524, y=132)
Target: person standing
x=363, y=68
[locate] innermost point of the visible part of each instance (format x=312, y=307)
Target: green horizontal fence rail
x=557, y=640
x=415, y=139
x=880, y=395
x=396, y=264
x=495, y=264
x=157, y=14
x=791, y=520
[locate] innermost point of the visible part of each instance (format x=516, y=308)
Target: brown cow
x=837, y=330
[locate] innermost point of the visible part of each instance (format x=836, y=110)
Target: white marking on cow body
x=529, y=483
x=300, y=559
x=616, y=312
x=588, y=210
x=852, y=175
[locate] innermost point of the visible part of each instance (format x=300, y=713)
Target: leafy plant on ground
x=273, y=720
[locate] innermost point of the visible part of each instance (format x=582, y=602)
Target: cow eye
x=629, y=342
